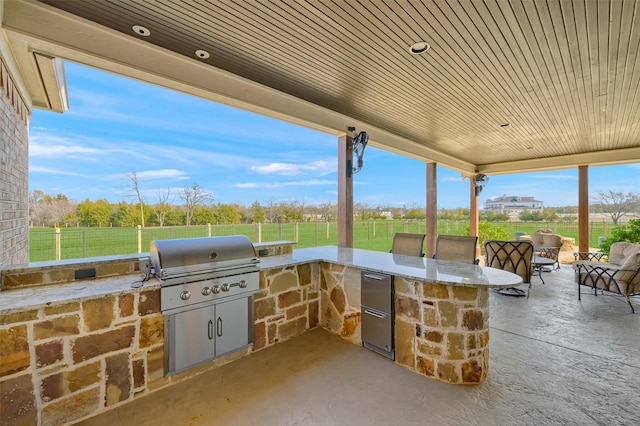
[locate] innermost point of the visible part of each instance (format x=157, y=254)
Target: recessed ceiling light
x=419, y=48
x=504, y=125
x=140, y=30
x=202, y=54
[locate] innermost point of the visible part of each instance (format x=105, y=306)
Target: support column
x=14, y=164
x=583, y=208
x=431, y=228
x=474, y=213
x=345, y=191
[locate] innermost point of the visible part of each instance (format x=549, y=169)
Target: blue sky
x=116, y=125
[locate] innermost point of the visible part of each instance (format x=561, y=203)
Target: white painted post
x=259, y=232
x=58, y=246
x=139, y=239
x=208, y=229
x=296, y=232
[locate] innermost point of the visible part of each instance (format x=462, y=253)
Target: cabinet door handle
x=210, y=329
x=219, y=326
x=374, y=314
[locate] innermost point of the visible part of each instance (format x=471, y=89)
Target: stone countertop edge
x=413, y=268
x=31, y=298
x=410, y=267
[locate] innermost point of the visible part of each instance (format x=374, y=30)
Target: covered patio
x=555, y=361
x=484, y=88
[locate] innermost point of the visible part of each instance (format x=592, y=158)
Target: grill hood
x=192, y=256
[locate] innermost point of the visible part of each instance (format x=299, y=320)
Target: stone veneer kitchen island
x=72, y=349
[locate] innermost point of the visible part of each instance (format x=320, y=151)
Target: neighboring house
x=513, y=205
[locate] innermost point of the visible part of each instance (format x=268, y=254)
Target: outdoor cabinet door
x=232, y=325
x=192, y=334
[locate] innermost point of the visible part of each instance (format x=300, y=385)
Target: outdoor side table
x=539, y=263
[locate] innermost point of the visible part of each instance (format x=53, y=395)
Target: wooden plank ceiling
x=564, y=75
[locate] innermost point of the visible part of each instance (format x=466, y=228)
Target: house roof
x=563, y=75
x=512, y=199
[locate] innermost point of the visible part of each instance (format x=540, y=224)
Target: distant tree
x=361, y=210
x=549, y=214
x=175, y=217
x=134, y=190
x=226, y=213
x=493, y=216
x=47, y=210
x=125, y=214
x=415, y=213
x=617, y=204
x=162, y=207
x=328, y=210
x=95, y=213
x=194, y=196
x=292, y=211
x=203, y=215
x=256, y=212
x=529, y=216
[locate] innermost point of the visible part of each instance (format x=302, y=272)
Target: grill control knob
x=225, y=287
x=206, y=291
x=215, y=289
x=243, y=284
x=185, y=295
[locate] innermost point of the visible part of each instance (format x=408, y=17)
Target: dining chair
x=408, y=244
x=457, y=248
x=511, y=256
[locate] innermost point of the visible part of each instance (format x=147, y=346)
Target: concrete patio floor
x=554, y=361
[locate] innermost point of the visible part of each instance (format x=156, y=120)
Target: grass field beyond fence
x=46, y=244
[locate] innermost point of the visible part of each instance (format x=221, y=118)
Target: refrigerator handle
x=374, y=277
x=374, y=313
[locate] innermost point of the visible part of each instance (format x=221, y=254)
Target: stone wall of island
x=442, y=331
x=70, y=360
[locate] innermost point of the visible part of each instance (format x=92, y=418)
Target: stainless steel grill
x=198, y=270
x=206, y=295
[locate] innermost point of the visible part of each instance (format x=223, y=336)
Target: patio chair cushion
x=628, y=274
x=620, y=251
x=620, y=278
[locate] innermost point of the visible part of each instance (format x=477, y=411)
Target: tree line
x=197, y=207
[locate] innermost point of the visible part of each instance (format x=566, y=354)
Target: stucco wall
x=14, y=168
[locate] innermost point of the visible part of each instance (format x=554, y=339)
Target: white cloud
x=312, y=182
x=162, y=174
x=290, y=169
x=49, y=170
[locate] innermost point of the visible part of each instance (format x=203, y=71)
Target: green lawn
x=373, y=235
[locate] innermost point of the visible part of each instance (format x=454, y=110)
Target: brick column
x=14, y=169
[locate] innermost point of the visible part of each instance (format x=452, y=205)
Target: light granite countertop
x=415, y=268
x=28, y=298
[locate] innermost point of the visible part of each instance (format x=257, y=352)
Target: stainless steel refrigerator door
x=376, y=291
x=377, y=329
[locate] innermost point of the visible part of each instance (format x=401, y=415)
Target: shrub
x=629, y=233
x=487, y=231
